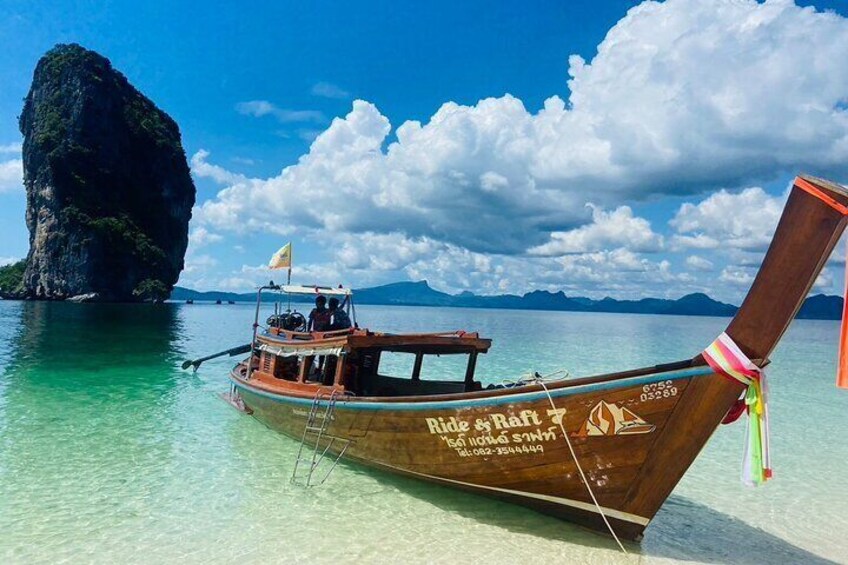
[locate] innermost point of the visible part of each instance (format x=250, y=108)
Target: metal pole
x=288, y=282
x=255, y=326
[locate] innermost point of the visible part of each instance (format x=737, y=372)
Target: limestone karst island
x=109, y=192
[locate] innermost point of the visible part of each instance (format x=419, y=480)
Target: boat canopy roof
x=316, y=290
x=285, y=343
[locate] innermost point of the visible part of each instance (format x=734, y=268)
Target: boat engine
x=292, y=321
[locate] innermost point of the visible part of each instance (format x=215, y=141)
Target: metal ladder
x=306, y=465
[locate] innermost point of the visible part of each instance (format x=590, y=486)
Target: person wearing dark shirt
x=339, y=320
x=319, y=318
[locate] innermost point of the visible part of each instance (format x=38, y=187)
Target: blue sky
x=460, y=152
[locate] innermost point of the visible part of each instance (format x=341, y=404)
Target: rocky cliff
x=109, y=193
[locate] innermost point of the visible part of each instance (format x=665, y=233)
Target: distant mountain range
x=818, y=307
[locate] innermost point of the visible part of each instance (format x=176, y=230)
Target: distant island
x=818, y=307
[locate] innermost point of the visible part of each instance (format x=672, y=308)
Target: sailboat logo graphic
x=607, y=419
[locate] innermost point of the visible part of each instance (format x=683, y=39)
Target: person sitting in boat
x=319, y=318
x=339, y=320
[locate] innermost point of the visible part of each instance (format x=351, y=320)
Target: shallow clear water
x=110, y=453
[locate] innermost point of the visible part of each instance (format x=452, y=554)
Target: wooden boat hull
x=511, y=446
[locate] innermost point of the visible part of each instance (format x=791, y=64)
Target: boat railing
x=309, y=336
x=289, y=289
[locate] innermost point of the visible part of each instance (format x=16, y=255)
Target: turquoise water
x=110, y=453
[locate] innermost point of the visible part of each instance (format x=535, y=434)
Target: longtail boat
x=603, y=451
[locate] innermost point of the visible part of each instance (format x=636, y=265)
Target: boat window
x=396, y=364
x=403, y=374
x=286, y=368
x=443, y=367
x=418, y=366
x=319, y=369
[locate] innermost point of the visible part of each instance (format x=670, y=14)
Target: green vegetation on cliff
x=151, y=290
x=55, y=122
x=12, y=280
x=118, y=234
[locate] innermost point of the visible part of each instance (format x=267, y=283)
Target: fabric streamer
x=735, y=412
x=726, y=359
x=842, y=367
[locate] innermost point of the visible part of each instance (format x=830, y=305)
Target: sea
x=111, y=453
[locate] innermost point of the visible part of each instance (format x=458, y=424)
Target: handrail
x=256, y=322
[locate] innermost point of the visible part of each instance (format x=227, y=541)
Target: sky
x=610, y=148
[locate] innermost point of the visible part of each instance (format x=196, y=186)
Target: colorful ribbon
x=725, y=358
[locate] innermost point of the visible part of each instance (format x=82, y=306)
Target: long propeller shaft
x=231, y=352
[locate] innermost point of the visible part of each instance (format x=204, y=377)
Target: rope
x=532, y=377
x=580, y=469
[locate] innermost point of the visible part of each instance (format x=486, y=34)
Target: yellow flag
x=282, y=258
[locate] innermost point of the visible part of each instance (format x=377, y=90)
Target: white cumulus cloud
x=666, y=106
x=202, y=168
x=11, y=175
x=740, y=276
x=698, y=263
x=744, y=220
x=682, y=97
x=12, y=147
x=200, y=237
x=616, y=228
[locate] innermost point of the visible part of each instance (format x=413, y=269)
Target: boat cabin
x=351, y=361
x=288, y=358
